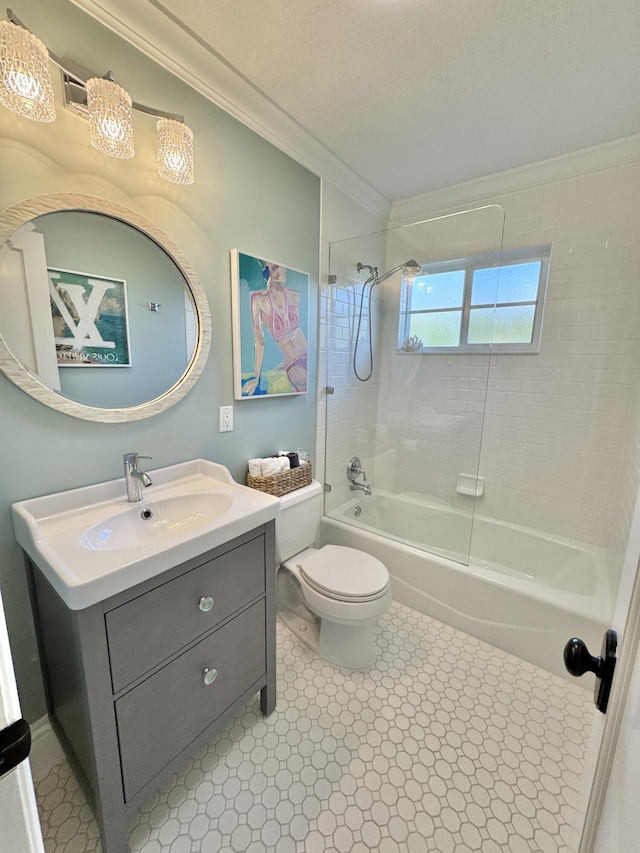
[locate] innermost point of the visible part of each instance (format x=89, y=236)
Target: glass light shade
x=25, y=76
x=175, y=151
x=110, y=121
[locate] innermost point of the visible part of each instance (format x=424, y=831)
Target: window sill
x=483, y=349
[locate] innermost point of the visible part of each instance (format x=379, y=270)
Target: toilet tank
x=297, y=524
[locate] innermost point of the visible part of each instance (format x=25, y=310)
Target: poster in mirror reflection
x=90, y=319
x=270, y=303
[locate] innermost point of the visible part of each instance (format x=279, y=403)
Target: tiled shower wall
x=559, y=424
x=556, y=422
x=560, y=450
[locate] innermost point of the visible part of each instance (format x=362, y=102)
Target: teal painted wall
x=247, y=195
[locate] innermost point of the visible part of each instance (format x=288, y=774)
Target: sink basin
x=91, y=543
x=149, y=520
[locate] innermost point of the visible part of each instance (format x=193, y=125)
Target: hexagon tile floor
x=447, y=744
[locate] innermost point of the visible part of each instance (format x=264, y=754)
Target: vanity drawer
x=162, y=715
x=148, y=629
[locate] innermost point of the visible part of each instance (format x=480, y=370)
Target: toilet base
x=349, y=644
x=305, y=630
x=346, y=646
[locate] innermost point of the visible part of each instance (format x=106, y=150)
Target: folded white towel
x=284, y=463
x=255, y=467
x=270, y=467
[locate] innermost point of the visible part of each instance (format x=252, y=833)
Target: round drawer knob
x=210, y=675
x=206, y=603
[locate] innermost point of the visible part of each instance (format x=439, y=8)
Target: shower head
x=410, y=269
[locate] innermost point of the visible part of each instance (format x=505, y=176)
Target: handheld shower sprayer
x=410, y=269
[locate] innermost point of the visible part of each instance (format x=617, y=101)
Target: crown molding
x=168, y=42
x=610, y=155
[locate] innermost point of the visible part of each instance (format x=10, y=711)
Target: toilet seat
x=365, y=578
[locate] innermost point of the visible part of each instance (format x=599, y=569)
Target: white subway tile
x=558, y=428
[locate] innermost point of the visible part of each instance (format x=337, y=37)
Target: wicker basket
x=280, y=484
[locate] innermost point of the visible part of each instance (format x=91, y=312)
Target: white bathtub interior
x=496, y=546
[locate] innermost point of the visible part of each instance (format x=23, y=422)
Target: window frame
x=531, y=254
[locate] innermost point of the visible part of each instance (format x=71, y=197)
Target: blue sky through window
x=513, y=283
x=440, y=290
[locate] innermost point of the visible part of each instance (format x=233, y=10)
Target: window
x=474, y=304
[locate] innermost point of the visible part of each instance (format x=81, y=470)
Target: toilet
x=328, y=597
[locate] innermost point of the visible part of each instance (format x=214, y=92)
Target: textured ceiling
x=414, y=95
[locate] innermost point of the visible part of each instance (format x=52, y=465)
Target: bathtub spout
x=363, y=487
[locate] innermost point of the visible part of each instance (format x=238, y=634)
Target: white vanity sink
x=91, y=543
x=167, y=518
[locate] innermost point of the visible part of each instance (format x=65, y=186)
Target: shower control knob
x=578, y=660
x=354, y=469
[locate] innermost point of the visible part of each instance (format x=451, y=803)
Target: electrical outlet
x=226, y=418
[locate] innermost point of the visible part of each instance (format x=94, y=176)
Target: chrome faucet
x=354, y=469
x=134, y=478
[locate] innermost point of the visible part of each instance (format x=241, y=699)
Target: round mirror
x=101, y=316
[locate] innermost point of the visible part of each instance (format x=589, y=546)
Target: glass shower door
x=407, y=392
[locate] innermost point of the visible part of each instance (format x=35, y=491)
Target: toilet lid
x=342, y=572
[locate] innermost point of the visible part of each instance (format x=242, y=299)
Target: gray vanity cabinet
x=138, y=682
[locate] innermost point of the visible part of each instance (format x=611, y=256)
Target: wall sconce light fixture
x=26, y=89
x=175, y=151
x=25, y=77
x=110, y=118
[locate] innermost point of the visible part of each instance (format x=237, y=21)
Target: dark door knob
x=579, y=660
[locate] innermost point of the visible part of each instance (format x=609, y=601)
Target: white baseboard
x=46, y=751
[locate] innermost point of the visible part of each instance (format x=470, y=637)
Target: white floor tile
x=447, y=744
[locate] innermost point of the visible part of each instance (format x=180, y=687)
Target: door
x=612, y=821
x=18, y=812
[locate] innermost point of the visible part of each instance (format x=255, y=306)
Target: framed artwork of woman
x=270, y=304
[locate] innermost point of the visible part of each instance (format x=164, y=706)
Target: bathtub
x=525, y=591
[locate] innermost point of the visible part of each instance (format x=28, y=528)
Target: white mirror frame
x=18, y=215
